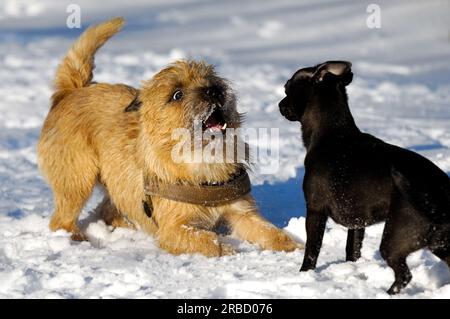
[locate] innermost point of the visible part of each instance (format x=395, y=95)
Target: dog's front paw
x=78, y=236
x=282, y=242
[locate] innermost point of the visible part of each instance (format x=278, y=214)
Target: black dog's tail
x=429, y=198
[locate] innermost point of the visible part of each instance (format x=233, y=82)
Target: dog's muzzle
x=214, y=120
x=286, y=111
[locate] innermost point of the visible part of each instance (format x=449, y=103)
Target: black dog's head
x=324, y=79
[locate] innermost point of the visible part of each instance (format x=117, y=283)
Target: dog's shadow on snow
x=280, y=202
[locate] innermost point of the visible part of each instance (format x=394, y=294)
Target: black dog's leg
x=402, y=273
x=405, y=232
x=354, y=243
x=315, y=227
x=393, y=251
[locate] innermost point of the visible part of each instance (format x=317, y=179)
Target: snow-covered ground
x=401, y=93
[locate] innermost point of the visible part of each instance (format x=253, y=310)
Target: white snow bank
x=35, y=263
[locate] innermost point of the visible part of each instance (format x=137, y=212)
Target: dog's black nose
x=215, y=94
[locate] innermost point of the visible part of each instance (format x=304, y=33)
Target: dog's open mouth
x=215, y=121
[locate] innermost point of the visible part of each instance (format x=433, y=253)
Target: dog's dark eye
x=177, y=95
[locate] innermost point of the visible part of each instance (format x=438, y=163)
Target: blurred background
x=284, y=32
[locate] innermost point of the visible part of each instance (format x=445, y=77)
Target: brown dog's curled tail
x=76, y=69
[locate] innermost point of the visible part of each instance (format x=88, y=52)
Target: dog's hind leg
x=68, y=205
x=402, y=273
x=315, y=228
x=354, y=244
x=72, y=175
x=404, y=233
x=111, y=215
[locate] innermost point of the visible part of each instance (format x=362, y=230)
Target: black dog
x=358, y=180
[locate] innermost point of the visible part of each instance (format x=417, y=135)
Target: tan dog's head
x=184, y=95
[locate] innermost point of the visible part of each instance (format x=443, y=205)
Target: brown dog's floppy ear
x=337, y=70
x=134, y=106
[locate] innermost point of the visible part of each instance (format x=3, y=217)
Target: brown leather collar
x=205, y=194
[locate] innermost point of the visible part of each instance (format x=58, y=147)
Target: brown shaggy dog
x=95, y=133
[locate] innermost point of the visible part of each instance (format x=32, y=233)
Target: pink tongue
x=211, y=122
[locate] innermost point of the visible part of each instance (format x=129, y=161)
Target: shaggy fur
x=88, y=138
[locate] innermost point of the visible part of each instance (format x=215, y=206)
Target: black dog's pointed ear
x=135, y=105
x=305, y=73
x=334, y=70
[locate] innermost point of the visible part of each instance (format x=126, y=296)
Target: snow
x=400, y=93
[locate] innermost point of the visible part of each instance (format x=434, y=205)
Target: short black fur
x=358, y=180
